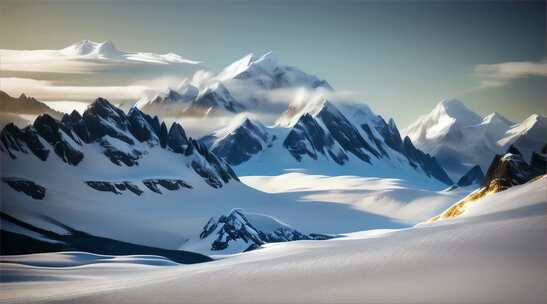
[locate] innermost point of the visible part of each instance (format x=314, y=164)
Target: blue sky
x=399, y=57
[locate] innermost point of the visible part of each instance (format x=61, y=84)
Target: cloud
x=46, y=90
x=501, y=74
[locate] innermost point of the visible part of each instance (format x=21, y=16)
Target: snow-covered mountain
x=243, y=85
x=460, y=138
x=268, y=72
x=131, y=179
x=324, y=138
x=87, y=49
x=240, y=231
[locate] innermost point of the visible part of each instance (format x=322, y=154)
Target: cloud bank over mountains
x=502, y=74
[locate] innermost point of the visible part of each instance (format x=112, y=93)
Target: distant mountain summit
x=87, y=49
x=459, y=138
x=241, y=86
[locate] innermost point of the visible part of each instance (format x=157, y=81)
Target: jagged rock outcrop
x=239, y=144
x=115, y=187
x=26, y=186
x=168, y=184
x=123, y=139
x=308, y=138
x=64, y=143
x=505, y=171
x=509, y=170
x=242, y=231
x=26, y=140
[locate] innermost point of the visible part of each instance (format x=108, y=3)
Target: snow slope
x=150, y=185
x=493, y=254
x=460, y=138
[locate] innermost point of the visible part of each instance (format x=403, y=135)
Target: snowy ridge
x=316, y=135
x=242, y=85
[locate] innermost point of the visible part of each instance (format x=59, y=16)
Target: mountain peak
x=495, y=117
x=453, y=107
x=88, y=47
x=266, y=62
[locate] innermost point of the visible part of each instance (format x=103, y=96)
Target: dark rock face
x=119, y=157
x=236, y=226
x=473, y=176
x=308, y=138
x=377, y=142
x=538, y=163
x=510, y=170
x=391, y=134
x=115, y=187
x=346, y=134
x=75, y=122
x=28, y=187
x=244, y=142
x=103, y=186
x=392, y=138
x=169, y=184
x=52, y=131
x=102, y=118
x=152, y=184
x=176, y=139
x=232, y=227
x=219, y=168
x=122, y=186
x=142, y=125
x=163, y=136
x=15, y=139
x=428, y=163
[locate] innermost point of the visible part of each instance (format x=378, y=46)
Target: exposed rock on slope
x=506, y=171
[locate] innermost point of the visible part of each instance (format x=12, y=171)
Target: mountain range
x=460, y=138
x=151, y=184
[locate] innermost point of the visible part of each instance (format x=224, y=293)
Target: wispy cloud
x=501, y=74
x=47, y=90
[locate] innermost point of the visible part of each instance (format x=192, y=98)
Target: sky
x=399, y=57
